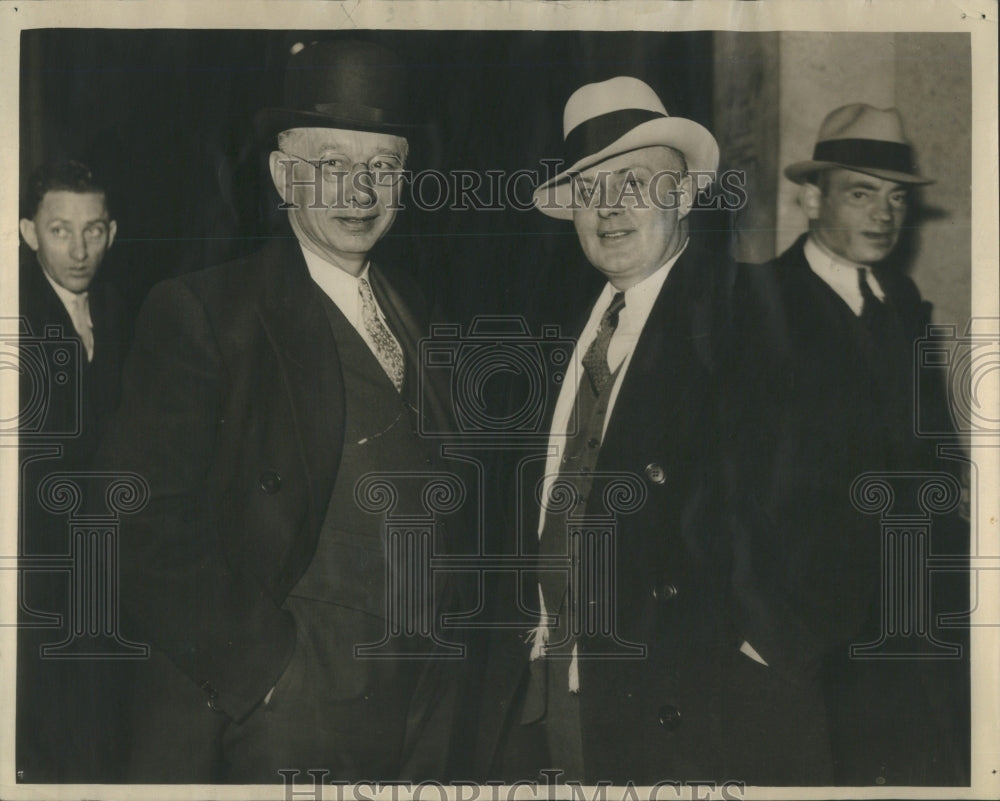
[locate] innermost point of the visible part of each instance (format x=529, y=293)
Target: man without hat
x=63, y=734
x=824, y=366
x=257, y=395
x=661, y=684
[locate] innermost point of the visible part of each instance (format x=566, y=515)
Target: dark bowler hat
x=354, y=85
x=862, y=138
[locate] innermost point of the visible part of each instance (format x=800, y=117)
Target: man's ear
x=279, y=163
x=685, y=196
x=28, y=231
x=811, y=200
x=112, y=230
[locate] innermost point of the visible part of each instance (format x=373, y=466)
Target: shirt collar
x=337, y=284
x=639, y=299
x=69, y=299
x=840, y=274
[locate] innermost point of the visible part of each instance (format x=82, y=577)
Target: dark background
x=166, y=118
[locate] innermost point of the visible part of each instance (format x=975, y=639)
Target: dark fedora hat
x=351, y=84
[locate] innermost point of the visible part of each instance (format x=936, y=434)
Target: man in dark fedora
x=824, y=361
x=258, y=393
x=650, y=678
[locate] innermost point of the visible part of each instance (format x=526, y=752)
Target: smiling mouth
x=612, y=235
x=357, y=223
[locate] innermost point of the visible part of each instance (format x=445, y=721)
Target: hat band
x=353, y=111
x=866, y=153
x=593, y=135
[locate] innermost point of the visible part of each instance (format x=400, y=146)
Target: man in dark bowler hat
x=826, y=393
x=651, y=678
x=63, y=733
x=257, y=395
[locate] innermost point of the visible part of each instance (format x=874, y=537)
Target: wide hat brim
x=801, y=171
x=555, y=197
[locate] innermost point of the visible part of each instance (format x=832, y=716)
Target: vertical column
x=93, y=502
x=906, y=606
x=411, y=609
x=593, y=545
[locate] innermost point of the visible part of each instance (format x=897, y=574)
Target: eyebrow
x=341, y=147
x=875, y=187
x=622, y=171
x=95, y=221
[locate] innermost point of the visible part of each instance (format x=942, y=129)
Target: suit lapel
x=421, y=388
x=291, y=311
x=659, y=380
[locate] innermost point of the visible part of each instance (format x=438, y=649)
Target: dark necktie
x=595, y=360
x=872, y=309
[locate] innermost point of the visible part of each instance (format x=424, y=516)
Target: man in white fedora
x=824, y=363
x=650, y=677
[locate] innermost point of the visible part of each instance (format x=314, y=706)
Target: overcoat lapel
x=291, y=312
x=421, y=387
x=658, y=385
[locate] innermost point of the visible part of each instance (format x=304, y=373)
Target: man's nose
x=609, y=206
x=78, y=247
x=881, y=208
x=360, y=188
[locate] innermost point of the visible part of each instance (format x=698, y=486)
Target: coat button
x=664, y=591
x=270, y=482
x=656, y=473
x=670, y=717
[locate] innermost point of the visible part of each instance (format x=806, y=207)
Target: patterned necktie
x=387, y=349
x=80, y=312
x=595, y=360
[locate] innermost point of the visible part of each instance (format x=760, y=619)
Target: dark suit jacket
x=77, y=411
x=807, y=418
x=62, y=734
x=232, y=410
x=694, y=707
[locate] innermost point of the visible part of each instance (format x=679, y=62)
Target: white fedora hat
x=862, y=138
x=616, y=116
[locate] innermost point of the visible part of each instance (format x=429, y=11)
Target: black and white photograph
x=499, y=400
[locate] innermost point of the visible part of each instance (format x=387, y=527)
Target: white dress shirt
x=841, y=275
x=342, y=288
x=639, y=300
